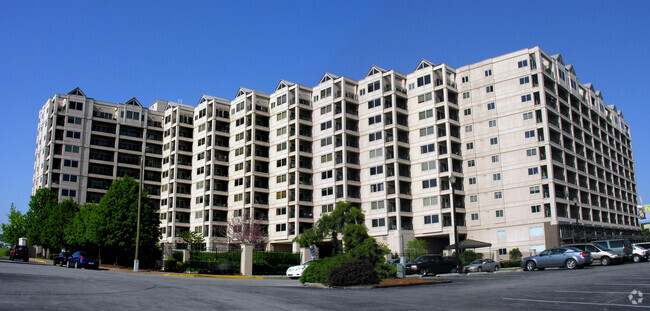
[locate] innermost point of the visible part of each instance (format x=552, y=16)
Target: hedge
x=510, y=263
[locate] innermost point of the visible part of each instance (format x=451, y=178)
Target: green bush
x=178, y=256
x=356, y=272
x=319, y=269
x=515, y=254
x=510, y=263
x=4, y=252
x=51, y=256
x=386, y=270
x=469, y=255
x=274, y=263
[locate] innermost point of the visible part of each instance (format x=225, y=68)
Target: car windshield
x=476, y=262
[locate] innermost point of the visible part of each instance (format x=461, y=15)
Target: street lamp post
x=136, y=262
x=452, y=183
x=574, y=203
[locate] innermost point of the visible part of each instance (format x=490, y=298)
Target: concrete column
x=305, y=255
x=247, y=259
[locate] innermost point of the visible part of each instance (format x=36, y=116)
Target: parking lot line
x=589, y=292
x=580, y=303
x=630, y=284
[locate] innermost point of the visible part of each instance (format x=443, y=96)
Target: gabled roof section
x=590, y=86
x=571, y=69
x=328, y=76
x=558, y=58
x=78, y=92
x=599, y=94
x=205, y=98
x=284, y=83
x=243, y=91
x=134, y=102
x=375, y=70
x=424, y=64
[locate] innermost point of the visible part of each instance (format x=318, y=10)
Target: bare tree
x=245, y=230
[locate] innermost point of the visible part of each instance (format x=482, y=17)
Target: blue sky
x=115, y=50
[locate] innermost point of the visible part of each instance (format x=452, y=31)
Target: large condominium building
x=516, y=147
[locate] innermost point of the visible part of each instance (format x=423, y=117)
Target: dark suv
x=433, y=264
x=19, y=252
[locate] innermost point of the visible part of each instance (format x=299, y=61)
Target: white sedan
x=295, y=272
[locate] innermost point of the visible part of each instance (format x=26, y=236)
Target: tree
x=15, y=229
x=514, y=254
x=330, y=225
x=41, y=205
x=116, y=222
x=245, y=230
x=415, y=248
x=81, y=232
x=53, y=231
x=192, y=239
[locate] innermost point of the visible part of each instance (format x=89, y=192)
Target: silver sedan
x=480, y=265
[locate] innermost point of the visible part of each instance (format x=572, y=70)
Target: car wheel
x=68, y=265
x=530, y=265
x=76, y=265
x=423, y=272
x=637, y=258
x=53, y=263
x=571, y=264
x=605, y=261
x=496, y=268
x=480, y=269
x=11, y=258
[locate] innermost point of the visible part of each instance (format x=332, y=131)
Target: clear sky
x=173, y=50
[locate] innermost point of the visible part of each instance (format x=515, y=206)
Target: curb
x=37, y=260
x=214, y=276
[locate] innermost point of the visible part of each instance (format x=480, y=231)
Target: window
x=374, y=103
x=71, y=149
x=498, y=195
x=376, y=205
x=574, y=84
x=69, y=178
x=327, y=191
x=491, y=106
x=534, y=190
x=326, y=141
x=425, y=114
x=374, y=119
x=377, y=187
x=281, y=211
x=474, y=216
x=496, y=177
x=470, y=146
x=473, y=198
x=535, y=209
x=528, y=115
x=325, y=125
x=496, y=158
x=431, y=219
x=74, y=120
x=465, y=95
x=326, y=92
x=494, y=140
x=282, y=131
x=238, y=197
x=499, y=213
x=547, y=210
x=530, y=134
x=526, y=98
x=531, y=152
x=429, y=183
x=199, y=185
x=468, y=128
x=326, y=109
x=430, y=165
x=464, y=79
x=279, y=163
x=492, y=123
x=426, y=131
x=374, y=86
x=471, y=163
x=374, y=136
x=468, y=111
x=375, y=153
x=428, y=148
x=504, y=251
x=73, y=134
x=377, y=170
x=536, y=231
x=430, y=201
x=240, y=166
x=523, y=63
x=281, y=115
x=561, y=73
x=424, y=80
x=328, y=208
x=280, y=227
x=282, y=146
x=533, y=171
x=489, y=89
x=488, y=72
x=472, y=180
x=524, y=80
x=379, y=222
x=424, y=98
x=281, y=178
x=68, y=193
x=326, y=158
x=326, y=174
x=70, y=163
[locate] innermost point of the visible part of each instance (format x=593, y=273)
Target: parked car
x=639, y=253
x=645, y=245
x=621, y=246
x=569, y=257
x=480, y=265
x=19, y=252
x=394, y=262
x=81, y=259
x=434, y=264
x=61, y=259
x=600, y=253
x=295, y=272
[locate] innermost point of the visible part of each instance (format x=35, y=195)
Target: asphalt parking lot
x=37, y=286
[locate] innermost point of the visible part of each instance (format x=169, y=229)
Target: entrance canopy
x=469, y=243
